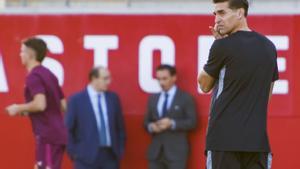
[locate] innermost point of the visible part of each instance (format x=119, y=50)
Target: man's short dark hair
x=171, y=69
x=236, y=4
x=38, y=45
x=94, y=72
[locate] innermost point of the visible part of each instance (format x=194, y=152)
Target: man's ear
x=241, y=13
x=32, y=54
x=175, y=78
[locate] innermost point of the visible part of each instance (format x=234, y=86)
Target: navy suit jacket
x=83, y=136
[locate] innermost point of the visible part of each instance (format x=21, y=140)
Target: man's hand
x=13, y=110
x=216, y=33
x=164, y=124
x=155, y=128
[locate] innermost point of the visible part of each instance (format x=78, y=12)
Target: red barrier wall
x=181, y=33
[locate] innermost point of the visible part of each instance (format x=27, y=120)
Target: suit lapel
x=156, y=98
x=90, y=111
x=109, y=105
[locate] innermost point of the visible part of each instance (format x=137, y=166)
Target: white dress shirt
x=93, y=94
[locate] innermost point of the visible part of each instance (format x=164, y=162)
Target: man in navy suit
x=96, y=134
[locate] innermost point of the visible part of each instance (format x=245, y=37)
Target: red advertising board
x=131, y=46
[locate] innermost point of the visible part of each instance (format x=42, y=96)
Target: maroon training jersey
x=49, y=124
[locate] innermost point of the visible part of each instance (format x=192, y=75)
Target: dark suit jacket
x=83, y=137
x=174, y=142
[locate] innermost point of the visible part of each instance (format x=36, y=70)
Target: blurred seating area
x=140, y=6
x=24, y=3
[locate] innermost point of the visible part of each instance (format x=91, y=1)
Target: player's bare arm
x=38, y=104
x=63, y=105
x=206, y=81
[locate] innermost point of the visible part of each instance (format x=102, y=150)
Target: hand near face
x=12, y=110
x=216, y=33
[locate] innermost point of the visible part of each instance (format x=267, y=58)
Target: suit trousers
x=106, y=159
x=161, y=162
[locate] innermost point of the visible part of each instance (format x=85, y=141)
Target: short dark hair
x=171, y=69
x=38, y=45
x=94, y=72
x=236, y=4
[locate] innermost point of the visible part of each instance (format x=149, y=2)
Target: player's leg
x=57, y=153
x=257, y=160
x=40, y=151
x=223, y=160
x=48, y=156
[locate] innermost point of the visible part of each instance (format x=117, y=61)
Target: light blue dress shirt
x=161, y=100
x=93, y=94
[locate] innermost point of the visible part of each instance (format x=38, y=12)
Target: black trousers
x=106, y=160
x=238, y=160
x=163, y=163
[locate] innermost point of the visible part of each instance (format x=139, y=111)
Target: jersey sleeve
x=61, y=93
x=215, y=60
x=35, y=85
x=59, y=88
x=275, y=72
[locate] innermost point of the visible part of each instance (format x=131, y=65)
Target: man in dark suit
x=96, y=135
x=170, y=115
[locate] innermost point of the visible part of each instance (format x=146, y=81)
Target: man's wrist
x=173, y=124
x=22, y=109
x=149, y=127
x=23, y=113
